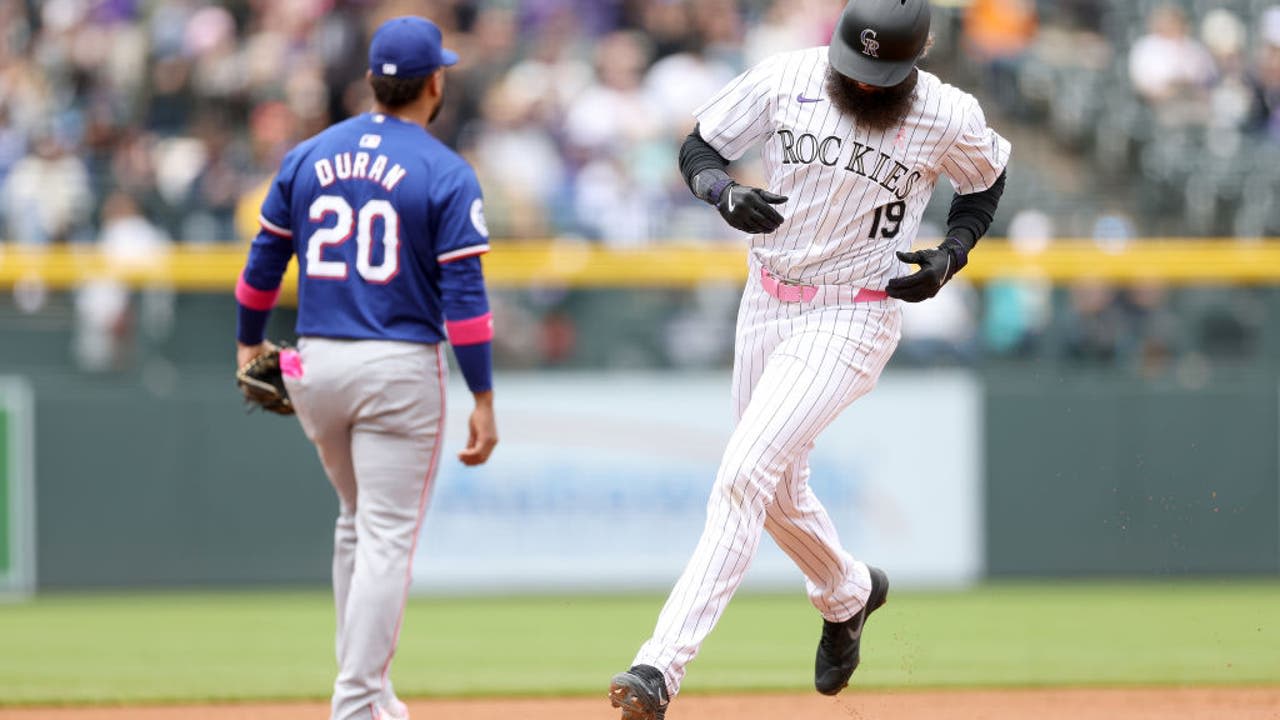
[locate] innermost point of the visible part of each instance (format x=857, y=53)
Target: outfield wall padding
x=1097, y=475
x=138, y=489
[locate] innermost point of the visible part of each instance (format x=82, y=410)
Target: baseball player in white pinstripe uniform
x=854, y=137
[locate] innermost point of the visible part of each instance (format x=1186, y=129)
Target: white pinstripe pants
x=797, y=366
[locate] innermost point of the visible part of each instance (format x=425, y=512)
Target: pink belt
x=790, y=292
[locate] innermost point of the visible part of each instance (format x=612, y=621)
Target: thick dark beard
x=877, y=110
x=435, y=112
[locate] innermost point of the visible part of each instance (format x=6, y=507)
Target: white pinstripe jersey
x=855, y=195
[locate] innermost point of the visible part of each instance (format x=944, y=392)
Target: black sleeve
x=697, y=156
x=970, y=216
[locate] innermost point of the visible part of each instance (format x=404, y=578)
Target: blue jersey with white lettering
x=387, y=224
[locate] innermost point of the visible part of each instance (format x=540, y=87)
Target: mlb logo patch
x=389, y=68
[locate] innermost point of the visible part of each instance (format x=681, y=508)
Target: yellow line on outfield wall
x=575, y=264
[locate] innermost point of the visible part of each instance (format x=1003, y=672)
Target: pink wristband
x=253, y=298
x=471, y=331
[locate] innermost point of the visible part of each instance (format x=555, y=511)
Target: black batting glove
x=937, y=266
x=750, y=209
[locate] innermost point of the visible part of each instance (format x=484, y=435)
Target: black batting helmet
x=877, y=42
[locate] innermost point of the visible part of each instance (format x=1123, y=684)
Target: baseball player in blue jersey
x=388, y=227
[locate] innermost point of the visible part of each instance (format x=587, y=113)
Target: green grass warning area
x=92, y=648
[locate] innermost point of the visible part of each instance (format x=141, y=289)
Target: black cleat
x=641, y=692
x=838, y=649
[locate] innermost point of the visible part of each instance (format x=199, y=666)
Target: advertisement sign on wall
x=600, y=483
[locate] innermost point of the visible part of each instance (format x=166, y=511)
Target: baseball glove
x=261, y=382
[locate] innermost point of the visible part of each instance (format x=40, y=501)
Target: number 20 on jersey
x=346, y=223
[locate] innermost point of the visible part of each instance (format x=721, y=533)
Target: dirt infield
x=1092, y=704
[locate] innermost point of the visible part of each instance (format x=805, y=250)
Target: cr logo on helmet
x=870, y=46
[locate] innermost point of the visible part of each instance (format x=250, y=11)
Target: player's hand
x=245, y=353
x=750, y=209
x=937, y=266
x=482, y=432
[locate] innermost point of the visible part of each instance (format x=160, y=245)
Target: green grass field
x=238, y=646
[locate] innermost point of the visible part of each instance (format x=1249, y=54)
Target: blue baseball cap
x=408, y=47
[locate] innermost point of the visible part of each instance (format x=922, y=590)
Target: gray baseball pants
x=374, y=410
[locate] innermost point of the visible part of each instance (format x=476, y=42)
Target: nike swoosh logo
x=802, y=99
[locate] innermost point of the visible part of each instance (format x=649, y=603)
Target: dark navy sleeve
x=468, y=321
x=461, y=238
x=258, y=287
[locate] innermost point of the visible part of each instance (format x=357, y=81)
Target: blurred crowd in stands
x=179, y=111
x=140, y=123
x=571, y=110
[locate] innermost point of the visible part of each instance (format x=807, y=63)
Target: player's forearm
x=971, y=215
x=251, y=326
x=468, y=321
x=476, y=363
x=258, y=287
x=703, y=168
